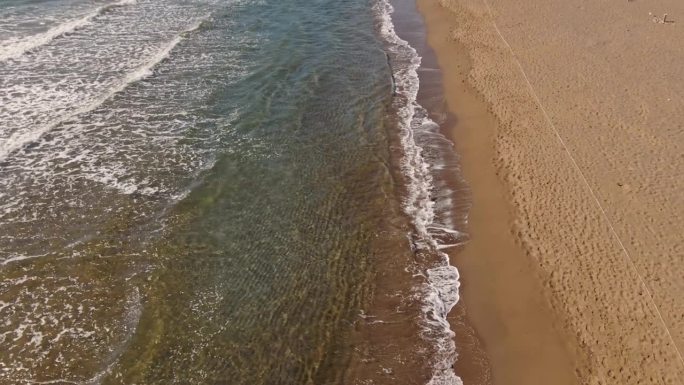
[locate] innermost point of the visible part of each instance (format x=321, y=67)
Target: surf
x=23, y=138
x=440, y=292
x=18, y=47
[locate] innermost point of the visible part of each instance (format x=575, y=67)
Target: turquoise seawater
x=191, y=192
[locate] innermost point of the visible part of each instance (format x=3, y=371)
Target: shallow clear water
x=190, y=191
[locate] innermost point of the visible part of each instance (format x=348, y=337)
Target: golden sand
x=580, y=200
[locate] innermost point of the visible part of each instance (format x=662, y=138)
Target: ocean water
x=203, y=192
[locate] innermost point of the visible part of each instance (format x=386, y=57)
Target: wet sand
x=573, y=271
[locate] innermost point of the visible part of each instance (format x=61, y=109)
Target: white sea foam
x=17, y=258
x=97, y=155
x=15, y=48
x=47, y=316
x=61, y=147
x=22, y=138
x=440, y=293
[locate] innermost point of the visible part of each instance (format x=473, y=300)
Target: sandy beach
x=569, y=121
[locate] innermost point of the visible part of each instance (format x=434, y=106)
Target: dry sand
x=584, y=128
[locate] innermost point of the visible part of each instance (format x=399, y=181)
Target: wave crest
x=439, y=294
x=16, y=48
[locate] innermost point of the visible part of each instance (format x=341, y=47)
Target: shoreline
x=403, y=336
x=500, y=289
x=569, y=133
x=471, y=365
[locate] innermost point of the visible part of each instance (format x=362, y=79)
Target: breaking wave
x=431, y=231
x=16, y=48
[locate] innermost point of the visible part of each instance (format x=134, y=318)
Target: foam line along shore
x=435, y=199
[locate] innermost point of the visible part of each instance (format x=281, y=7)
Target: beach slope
x=588, y=100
